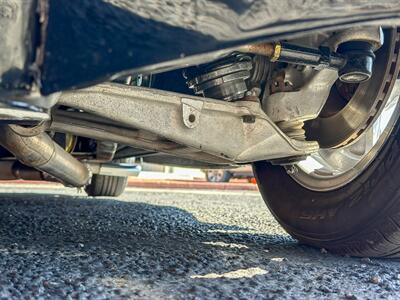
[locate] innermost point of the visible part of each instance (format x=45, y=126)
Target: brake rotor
x=351, y=109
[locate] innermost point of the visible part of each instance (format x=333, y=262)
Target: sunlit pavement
x=174, y=244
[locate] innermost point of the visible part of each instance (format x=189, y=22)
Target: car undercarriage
x=309, y=89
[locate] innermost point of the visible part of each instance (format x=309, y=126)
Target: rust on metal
x=264, y=49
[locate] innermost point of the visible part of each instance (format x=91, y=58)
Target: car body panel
x=89, y=41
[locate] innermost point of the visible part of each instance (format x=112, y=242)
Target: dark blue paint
x=88, y=41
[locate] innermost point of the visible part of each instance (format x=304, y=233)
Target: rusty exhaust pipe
x=15, y=170
x=42, y=153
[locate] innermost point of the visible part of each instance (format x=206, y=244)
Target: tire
x=110, y=186
x=360, y=218
x=218, y=175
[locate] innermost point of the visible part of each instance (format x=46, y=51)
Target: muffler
x=42, y=153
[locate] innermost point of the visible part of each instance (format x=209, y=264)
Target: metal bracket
x=303, y=104
x=191, y=110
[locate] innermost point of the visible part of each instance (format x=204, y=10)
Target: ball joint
x=360, y=61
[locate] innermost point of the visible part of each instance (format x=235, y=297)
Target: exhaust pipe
x=15, y=170
x=42, y=153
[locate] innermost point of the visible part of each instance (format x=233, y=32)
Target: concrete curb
x=195, y=185
x=161, y=184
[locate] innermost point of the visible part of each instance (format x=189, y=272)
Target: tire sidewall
x=316, y=217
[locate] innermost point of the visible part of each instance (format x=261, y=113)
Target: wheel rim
x=343, y=157
x=215, y=175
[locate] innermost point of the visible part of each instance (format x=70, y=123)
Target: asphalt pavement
x=168, y=244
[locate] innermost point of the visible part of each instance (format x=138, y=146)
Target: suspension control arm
x=235, y=131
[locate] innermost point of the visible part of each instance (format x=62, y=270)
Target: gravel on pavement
x=168, y=244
